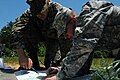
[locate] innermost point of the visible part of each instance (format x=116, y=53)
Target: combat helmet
x=36, y=5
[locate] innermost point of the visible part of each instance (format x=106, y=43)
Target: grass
x=14, y=63
x=101, y=62
x=96, y=63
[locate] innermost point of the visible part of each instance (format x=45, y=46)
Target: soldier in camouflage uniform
x=100, y=26
x=65, y=25
x=37, y=25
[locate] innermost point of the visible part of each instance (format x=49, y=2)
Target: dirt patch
x=16, y=65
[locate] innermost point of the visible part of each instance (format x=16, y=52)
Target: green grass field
x=96, y=63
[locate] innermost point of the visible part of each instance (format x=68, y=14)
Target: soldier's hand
x=69, y=36
x=52, y=71
x=25, y=62
x=70, y=29
x=51, y=78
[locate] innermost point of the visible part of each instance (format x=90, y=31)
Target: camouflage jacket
x=28, y=24
x=28, y=18
x=99, y=19
x=58, y=17
x=62, y=18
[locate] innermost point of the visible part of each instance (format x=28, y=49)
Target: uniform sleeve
x=22, y=21
x=18, y=27
x=115, y=16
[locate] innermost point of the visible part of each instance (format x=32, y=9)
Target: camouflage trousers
x=77, y=61
x=64, y=48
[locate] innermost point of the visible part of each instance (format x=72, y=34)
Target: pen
x=34, y=70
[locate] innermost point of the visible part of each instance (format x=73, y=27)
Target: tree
x=5, y=36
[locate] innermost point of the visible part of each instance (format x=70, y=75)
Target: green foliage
x=5, y=37
x=6, y=33
x=98, y=63
x=107, y=71
x=9, y=52
x=42, y=49
x=103, y=53
x=10, y=59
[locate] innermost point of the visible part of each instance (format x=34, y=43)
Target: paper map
x=30, y=75
x=1, y=63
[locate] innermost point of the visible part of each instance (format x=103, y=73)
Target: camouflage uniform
x=62, y=21
x=100, y=26
x=29, y=30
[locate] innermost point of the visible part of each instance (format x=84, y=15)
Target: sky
x=11, y=9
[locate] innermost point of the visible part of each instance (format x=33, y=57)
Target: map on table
x=30, y=75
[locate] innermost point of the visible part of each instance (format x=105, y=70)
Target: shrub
x=110, y=72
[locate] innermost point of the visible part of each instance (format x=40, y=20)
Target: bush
x=103, y=53
x=108, y=72
x=42, y=49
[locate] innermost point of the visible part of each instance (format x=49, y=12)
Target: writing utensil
x=35, y=70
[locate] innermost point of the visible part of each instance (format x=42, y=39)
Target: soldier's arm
x=115, y=16
x=17, y=41
x=70, y=28
x=71, y=25
x=24, y=61
x=22, y=21
x=17, y=29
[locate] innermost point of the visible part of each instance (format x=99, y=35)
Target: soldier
x=37, y=25
x=100, y=26
x=65, y=25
